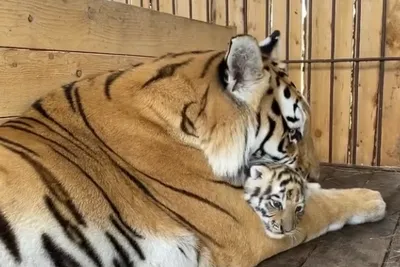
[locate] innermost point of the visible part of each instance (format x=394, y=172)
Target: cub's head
x=278, y=195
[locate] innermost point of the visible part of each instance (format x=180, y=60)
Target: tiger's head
x=284, y=121
x=278, y=195
x=251, y=73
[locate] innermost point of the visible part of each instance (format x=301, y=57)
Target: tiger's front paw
x=370, y=207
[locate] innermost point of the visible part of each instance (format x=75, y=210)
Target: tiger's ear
x=270, y=45
x=243, y=64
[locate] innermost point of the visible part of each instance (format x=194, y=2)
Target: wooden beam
x=390, y=139
x=342, y=81
x=320, y=76
x=27, y=75
x=256, y=18
x=370, y=36
x=103, y=27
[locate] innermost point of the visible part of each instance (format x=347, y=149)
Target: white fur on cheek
x=227, y=159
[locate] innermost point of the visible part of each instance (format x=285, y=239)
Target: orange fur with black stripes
x=278, y=194
x=131, y=168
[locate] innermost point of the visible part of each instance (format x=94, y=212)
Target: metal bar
x=337, y=60
x=158, y=5
x=362, y=167
x=245, y=16
x=226, y=12
x=190, y=9
x=332, y=81
x=380, y=87
x=287, y=28
x=309, y=44
x=141, y=3
x=173, y=7
x=267, y=16
x=207, y=7
x=354, y=123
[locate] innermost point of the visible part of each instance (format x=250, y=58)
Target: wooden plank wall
x=354, y=121
x=355, y=116
x=46, y=43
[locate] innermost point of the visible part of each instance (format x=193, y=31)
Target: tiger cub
x=278, y=194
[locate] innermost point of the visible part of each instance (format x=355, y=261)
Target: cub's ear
x=271, y=44
x=243, y=64
x=256, y=171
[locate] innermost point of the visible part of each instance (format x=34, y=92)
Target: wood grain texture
x=279, y=23
x=256, y=18
x=393, y=257
x=103, y=27
x=295, y=41
x=368, y=81
x=146, y=4
x=236, y=17
x=362, y=245
x=27, y=75
x=133, y=2
x=125, y=1
x=218, y=12
x=320, y=76
x=390, y=151
x=182, y=8
x=164, y=6
x=342, y=81
x=199, y=10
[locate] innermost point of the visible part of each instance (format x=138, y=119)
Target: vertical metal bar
x=207, y=7
x=190, y=9
x=287, y=29
x=309, y=44
x=173, y=7
x=227, y=12
x=354, y=123
x=303, y=53
x=141, y=3
x=158, y=5
x=380, y=87
x=245, y=16
x=267, y=16
x=332, y=80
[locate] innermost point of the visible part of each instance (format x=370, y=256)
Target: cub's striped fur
x=131, y=167
x=278, y=194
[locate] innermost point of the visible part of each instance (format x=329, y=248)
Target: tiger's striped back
x=101, y=172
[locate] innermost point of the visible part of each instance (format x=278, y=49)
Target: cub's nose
x=287, y=227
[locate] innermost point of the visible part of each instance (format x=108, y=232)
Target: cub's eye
x=299, y=209
x=276, y=204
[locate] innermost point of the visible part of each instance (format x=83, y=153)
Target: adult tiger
x=122, y=169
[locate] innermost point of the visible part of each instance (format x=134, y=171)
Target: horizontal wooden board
x=26, y=75
x=103, y=27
